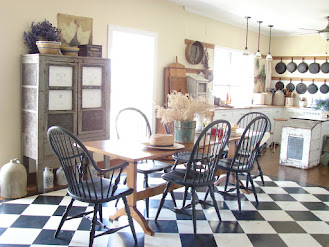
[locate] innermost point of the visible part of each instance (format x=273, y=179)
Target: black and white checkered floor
x=289, y=214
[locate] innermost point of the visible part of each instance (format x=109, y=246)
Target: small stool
x=277, y=121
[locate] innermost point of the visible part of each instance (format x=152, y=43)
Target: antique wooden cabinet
x=72, y=92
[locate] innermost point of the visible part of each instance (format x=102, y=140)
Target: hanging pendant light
x=269, y=56
x=258, y=54
x=246, y=52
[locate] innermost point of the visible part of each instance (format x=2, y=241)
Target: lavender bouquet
x=44, y=29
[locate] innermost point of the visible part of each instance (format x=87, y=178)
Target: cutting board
x=177, y=69
x=175, y=79
x=178, y=84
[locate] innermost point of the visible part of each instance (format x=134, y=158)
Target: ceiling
x=287, y=16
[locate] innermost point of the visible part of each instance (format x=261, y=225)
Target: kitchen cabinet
x=233, y=115
x=223, y=114
x=302, y=142
x=72, y=92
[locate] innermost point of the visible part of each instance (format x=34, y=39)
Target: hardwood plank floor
x=269, y=161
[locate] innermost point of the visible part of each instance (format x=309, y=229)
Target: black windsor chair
x=200, y=168
x=180, y=157
x=242, y=123
x=83, y=186
x=132, y=123
x=244, y=157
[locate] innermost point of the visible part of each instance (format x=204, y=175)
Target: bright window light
x=233, y=75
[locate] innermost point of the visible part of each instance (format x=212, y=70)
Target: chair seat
x=225, y=164
x=185, y=156
x=150, y=166
x=177, y=176
x=100, y=193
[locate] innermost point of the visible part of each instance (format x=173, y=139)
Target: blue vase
x=185, y=131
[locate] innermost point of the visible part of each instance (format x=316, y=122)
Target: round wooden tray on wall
x=194, y=52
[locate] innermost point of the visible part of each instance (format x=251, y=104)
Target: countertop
x=310, y=118
x=256, y=107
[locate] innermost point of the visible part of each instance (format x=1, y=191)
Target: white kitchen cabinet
x=237, y=114
x=223, y=114
x=230, y=115
x=302, y=142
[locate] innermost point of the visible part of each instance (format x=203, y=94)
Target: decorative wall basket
x=185, y=131
x=194, y=52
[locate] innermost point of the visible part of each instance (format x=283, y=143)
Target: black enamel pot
x=290, y=86
x=325, y=67
x=324, y=88
x=280, y=68
x=302, y=67
x=314, y=68
x=312, y=88
x=279, y=85
x=301, y=87
x=292, y=66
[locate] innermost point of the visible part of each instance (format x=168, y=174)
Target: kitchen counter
x=228, y=107
x=311, y=118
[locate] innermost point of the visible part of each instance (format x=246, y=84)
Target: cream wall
x=170, y=21
x=299, y=46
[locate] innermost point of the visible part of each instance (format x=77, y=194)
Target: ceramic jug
x=48, y=178
x=278, y=98
x=13, y=180
x=60, y=176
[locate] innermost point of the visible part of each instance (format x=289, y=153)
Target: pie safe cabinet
x=72, y=92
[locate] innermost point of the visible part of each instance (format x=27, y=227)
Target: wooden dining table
x=133, y=152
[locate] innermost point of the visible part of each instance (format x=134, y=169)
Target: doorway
x=133, y=55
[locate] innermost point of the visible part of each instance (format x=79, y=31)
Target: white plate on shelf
x=173, y=147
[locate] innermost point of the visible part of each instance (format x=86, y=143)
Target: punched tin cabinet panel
x=301, y=143
x=43, y=77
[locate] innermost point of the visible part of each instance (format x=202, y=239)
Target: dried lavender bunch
x=44, y=29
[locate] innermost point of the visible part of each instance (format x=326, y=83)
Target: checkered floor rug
x=289, y=214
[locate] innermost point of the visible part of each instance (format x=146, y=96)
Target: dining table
x=133, y=152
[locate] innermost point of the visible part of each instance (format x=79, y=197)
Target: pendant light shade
x=246, y=52
x=269, y=56
x=258, y=54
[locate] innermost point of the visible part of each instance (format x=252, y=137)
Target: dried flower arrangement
x=182, y=107
x=44, y=29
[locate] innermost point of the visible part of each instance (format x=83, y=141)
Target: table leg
x=132, y=199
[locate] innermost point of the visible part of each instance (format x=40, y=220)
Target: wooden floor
x=269, y=162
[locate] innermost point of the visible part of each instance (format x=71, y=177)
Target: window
x=133, y=55
x=233, y=76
